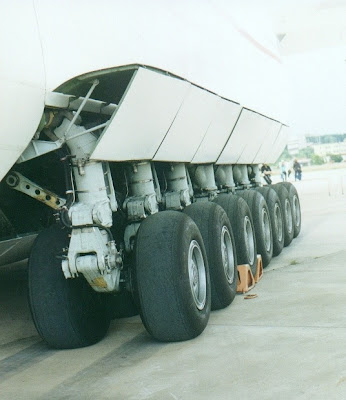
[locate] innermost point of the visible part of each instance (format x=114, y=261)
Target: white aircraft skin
x=45, y=43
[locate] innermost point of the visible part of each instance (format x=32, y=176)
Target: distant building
x=324, y=139
x=323, y=145
x=330, y=148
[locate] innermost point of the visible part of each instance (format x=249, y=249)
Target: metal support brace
x=17, y=181
x=76, y=115
x=39, y=147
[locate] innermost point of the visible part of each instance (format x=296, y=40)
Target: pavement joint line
x=16, y=342
x=278, y=326
x=280, y=267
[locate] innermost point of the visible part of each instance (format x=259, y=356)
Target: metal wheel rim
x=249, y=240
x=197, y=275
x=278, y=222
x=288, y=212
x=227, y=253
x=296, y=210
x=266, y=229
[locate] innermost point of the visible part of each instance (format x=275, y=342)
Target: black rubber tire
x=67, y=313
x=216, y=229
x=297, y=217
x=286, y=208
x=276, y=217
x=167, y=306
x=239, y=213
x=261, y=220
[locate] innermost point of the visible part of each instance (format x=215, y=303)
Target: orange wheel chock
x=246, y=280
x=259, y=270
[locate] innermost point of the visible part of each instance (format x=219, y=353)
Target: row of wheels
x=185, y=266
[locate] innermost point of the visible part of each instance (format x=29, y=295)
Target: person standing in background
x=283, y=171
x=297, y=170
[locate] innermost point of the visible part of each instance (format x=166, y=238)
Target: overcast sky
x=318, y=82
x=315, y=57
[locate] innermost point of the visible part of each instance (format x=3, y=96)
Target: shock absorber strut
x=143, y=199
x=92, y=251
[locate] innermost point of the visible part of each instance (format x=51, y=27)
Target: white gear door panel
x=143, y=118
x=248, y=126
x=218, y=132
x=279, y=145
x=268, y=143
x=259, y=135
x=189, y=127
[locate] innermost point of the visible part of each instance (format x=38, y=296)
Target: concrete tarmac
x=287, y=343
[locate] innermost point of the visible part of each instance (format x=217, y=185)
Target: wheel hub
x=249, y=240
x=197, y=275
x=195, y=278
x=227, y=254
x=278, y=222
x=296, y=210
x=288, y=216
x=266, y=229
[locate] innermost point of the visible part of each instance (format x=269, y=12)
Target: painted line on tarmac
x=24, y=359
x=91, y=380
